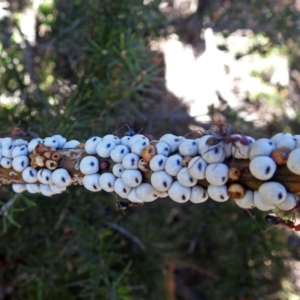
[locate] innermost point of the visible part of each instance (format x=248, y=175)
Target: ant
x=17, y=132
x=275, y=220
x=130, y=132
x=221, y=132
x=120, y=205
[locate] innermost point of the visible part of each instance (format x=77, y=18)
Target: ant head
x=129, y=133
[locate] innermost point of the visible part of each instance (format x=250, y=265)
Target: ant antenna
x=118, y=204
x=253, y=217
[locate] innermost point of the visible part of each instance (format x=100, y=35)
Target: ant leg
x=119, y=206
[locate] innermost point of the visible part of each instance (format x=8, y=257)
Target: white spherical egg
x=89, y=165
x=179, y=193
x=19, y=163
x=91, y=144
x=125, y=141
x=91, y=182
x=217, y=174
x=262, y=167
x=161, y=181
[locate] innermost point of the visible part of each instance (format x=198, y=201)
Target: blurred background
x=84, y=68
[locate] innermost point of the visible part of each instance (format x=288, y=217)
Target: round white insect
x=91, y=182
x=113, y=138
x=261, y=147
x=44, y=176
x=157, y=163
x=33, y=143
x=172, y=140
x=19, y=163
x=118, y=153
x=293, y=162
x=118, y=169
x=218, y=193
x=197, y=167
x=6, y=163
x=19, y=187
x=130, y=161
x=57, y=189
x=60, y=139
x=262, y=167
x=121, y=188
x=51, y=142
x=71, y=144
x=198, y=194
x=7, y=150
x=89, y=165
x=146, y=192
x=261, y=204
x=33, y=188
x=132, y=178
x=61, y=177
x=179, y=193
x=133, y=197
x=272, y=193
x=185, y=178
x=45, y=190
x=161, y=181
x=19, y=151
x=104, y=147
x=217, y=174
x=163, y=148
x=107, y=181
x=29, y=175
x=91, y=144
x=188, y=148
x=138, y=146
x=288, y=203
x=173, y=164
x=247, y=201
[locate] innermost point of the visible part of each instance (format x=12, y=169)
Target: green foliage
x=92, y=68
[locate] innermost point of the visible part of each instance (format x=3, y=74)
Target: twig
x=126, y=233
x=8, y=204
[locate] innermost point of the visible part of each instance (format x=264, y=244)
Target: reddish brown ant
x=17, y=132
x=221, y=132
x=275, y=220
x=120, y=205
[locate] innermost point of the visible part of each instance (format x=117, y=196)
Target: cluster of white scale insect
x=143, y=171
